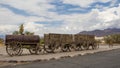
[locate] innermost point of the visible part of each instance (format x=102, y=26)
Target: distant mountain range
x=101, y=33
x=98, y=33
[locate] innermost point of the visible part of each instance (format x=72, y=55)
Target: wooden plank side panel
x=46, y=39
x=79, y=38
x=55, y=38
x=90, y=38
x=66, y=38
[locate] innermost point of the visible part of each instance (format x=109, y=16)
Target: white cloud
x=33, y=27
x=78, y=22
x=35, y=7
x=8, y=17
x=9, y=21
x=7, y=29
x=104, y=1
x=94, y=20
x=110, y=14
x=72, y=23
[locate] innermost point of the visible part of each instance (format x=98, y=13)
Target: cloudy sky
x=58, y=16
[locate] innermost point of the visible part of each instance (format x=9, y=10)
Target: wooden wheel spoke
x=13, y=48
x=49, y=48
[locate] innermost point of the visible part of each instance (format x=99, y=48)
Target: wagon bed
x=16, y=43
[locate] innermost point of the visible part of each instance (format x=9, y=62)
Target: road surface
x=108, y=59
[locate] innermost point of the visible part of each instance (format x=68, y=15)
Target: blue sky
x=58, y=16
x=62, y=8
x=15, y=10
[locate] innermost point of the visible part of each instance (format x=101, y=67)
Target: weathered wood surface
x=27, y=39
x=58, y=39
x=79, y=37
x=67, y=38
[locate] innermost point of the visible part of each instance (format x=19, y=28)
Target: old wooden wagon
x=16, y=43
x=51, y=42
x=84, y=42
x=66, y=42
x=57, y=41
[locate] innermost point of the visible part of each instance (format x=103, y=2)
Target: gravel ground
x=107, y=59
x=26, y=57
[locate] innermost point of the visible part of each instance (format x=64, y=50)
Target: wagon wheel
x=13, y=48
x=20, y=49
x=33, y=49
x=49, y=48
x=78, y=47
x=38, y=49
x=86, y=46
x=65, y=48
x=95, y=46
x=72, y=47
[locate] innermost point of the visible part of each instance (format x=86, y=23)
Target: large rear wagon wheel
x=95, y=46
x=13, y=49
x=33, y=49
x=86, y=47
x=65, y=48
x=78, y=47
x=49, y=48
x=39, y=50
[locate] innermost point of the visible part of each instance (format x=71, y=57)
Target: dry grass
x=1, y=44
